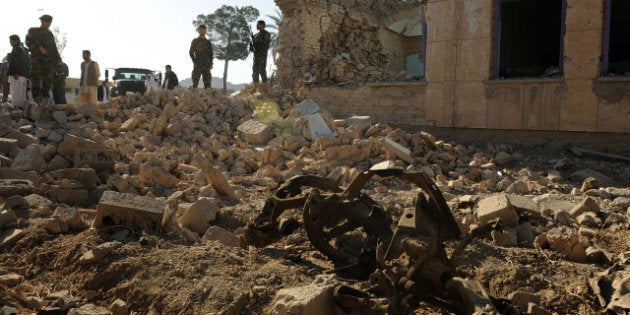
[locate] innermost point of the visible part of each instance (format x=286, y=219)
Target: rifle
x=251, y=43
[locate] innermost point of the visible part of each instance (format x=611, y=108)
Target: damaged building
x=553, y=65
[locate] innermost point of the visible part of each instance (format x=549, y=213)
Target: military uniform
x=201, y=55
x=261, y=43
x=42, y=62
x=59, y=83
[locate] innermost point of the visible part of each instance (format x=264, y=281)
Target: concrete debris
x=119, y=307
x=496, y=207
x=315, y=298
x=99, y=252
x=119, y=208
x=30, y=159
x=199, y=215
x=398, y=150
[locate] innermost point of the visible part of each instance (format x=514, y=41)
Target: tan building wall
x=459, y=91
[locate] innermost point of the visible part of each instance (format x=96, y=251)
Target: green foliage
x=229, y=30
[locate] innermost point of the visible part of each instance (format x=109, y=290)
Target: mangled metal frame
x=407, y=264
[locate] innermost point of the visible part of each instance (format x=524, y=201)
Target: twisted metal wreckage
x=405, y=264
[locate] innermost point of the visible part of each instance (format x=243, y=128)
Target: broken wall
x=342, y=41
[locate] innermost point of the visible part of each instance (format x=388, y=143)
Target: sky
x=129, y=33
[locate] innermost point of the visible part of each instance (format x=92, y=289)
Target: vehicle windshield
x=130, y=75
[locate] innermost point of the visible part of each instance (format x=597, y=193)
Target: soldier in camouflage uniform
x=44, y=56
x=201, y=55
x=260, y=42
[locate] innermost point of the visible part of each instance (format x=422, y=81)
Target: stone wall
x=342, y=41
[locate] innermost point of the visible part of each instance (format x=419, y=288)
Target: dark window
x=529, y=38
x=618, y=19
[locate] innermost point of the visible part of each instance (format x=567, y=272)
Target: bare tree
x=61, y=39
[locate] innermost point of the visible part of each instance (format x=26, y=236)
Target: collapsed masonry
x=175, y=161
x=348, y=41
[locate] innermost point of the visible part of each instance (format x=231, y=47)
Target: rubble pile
x=143, y=188
x=347, y=46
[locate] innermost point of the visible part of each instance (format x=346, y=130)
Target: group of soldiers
x=201, y=54
x=40, y=63
x=37, y=63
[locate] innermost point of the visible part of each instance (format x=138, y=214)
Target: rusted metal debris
x=405, y=264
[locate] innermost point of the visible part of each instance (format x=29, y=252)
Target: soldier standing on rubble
x=44, y=55
x=261, y=42
x=201, y=55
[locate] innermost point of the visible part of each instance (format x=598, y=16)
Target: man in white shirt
x=90, y=73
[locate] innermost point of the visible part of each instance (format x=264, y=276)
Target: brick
x=255, y=132
x=497, y=206
x=398, y=150
x=121, y=184
x=120, y=208
x=69, y=196
x=86, y=176
x=71, y=143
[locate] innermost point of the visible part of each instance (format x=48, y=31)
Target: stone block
x=524, y=204
x=12, y=187
x=69, y=196
x=154, y=175
x=29, y=159
x=123, y=186
x=71, y=217
x=358, y=124
x=221, y=235
x=99, y=159
x=496, y=206
x=56, y=225
x=119, y=208
x=9, y=147
x=199, y=215
x=219, y=182
x=255, y=132
x=504, y=238
x=313, y=299
x=71, y=143
x=398, y=150
x=86, y=176
x=60, y=116
x=587, y=204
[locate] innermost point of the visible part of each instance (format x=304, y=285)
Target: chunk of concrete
x=123, y=186
x=56, y=225
x=218, y=182
x=313, y=299
x=383, y=166
x=398, y=150
x=358, y=124
x=29, y=159
x=119, y=208
x=524, y=204
x=86, y=176
x=199, y=215
x=60, y=116
x=255, y=132
x=221, y=235
x=496, y=206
